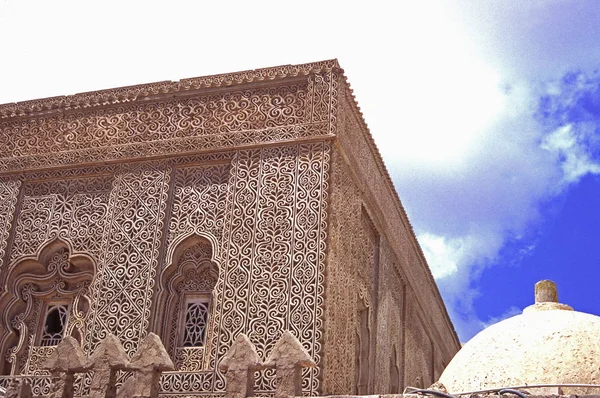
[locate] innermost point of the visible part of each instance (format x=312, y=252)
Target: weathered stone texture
x=288, y=357
x=240, y=365
x=18, y=389
x=66, y=360
x=108, y=358
x=149, y=361
x=539, y=346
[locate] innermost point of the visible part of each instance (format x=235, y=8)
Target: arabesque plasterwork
x=247, y=190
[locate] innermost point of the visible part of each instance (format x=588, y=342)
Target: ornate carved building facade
x=253, y=202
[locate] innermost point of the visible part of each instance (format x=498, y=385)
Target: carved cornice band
x=138, y=92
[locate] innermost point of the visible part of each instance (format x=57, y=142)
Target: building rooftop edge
x=394, y=191
x=127, y=94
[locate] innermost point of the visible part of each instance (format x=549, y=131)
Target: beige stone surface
x=151, y=354
x=111, y=352
x=289, y=352
x=240, y=365
x=288, y=357
x=242, y=355
x=67, y=357
x=149, y=361
x=261, y=192
x=18, y=389
x=538, y=347
x=106, y=360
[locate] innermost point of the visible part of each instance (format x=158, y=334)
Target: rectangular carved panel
x=116, y=128
x=418, y=349
x=199, y=201
x=342, y=264
x=390, y=325
x=199, y=209
x=71, y=209
x=9, y=192
x=274, y=261
x=129, y=258
x=126, y=124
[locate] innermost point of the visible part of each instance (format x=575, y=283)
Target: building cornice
x=129, y=94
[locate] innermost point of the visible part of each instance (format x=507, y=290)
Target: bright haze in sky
x=486, y=113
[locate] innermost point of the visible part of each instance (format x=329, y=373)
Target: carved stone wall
x=124, y=285
x=264, y=210
x=238, y=165
x=398, y=246
x=169, y=118
x=70, y=209
x=391, y=324
x=9, y=191
x=340, y=314
x=418, y=369
x=358, y=257
x=275, y=255
x=372, y=244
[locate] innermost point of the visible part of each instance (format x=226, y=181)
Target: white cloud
x=576, y=160
x=464, y=210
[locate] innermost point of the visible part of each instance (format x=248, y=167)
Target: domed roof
x=548, y=343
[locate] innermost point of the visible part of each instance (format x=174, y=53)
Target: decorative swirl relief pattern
x=223, y=119
x=36, y=283
x=342, y=264
x=73, y=210
x=122, y=291
x=199, y=202
x=211, y=114
x=37, y=356
x=9, y=191
x=273, y=280
x=143, y=91
x=163, y=148
x=263, y=210
x=355, y=251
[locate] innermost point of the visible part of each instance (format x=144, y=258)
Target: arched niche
x=184, y=301
x=45, y=298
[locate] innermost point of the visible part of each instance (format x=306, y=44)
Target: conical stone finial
x=288, y=357
x=151, y=354
x=150, y=360
x=67, y=357
x=66, y=360
x=108, y=358
x=239, y=365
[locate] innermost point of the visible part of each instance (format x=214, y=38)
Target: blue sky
x=486, y=112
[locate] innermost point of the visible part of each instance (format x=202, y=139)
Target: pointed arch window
x=186, y=289
x=46, y=299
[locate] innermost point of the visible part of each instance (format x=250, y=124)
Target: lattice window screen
x=196, y=319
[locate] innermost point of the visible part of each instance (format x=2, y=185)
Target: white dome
x=548, y=344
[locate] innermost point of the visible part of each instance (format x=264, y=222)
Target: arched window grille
x=185, y=296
